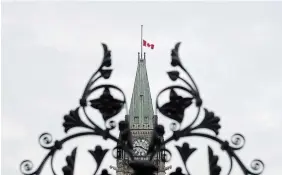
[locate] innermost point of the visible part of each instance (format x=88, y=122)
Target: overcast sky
x=233, y=50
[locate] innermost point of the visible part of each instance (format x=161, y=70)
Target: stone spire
x=141, y=114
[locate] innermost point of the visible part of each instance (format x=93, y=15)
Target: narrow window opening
x=146, y=119
x=136, y=119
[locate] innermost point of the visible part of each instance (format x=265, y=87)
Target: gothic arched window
x=146, y=119
x=136, y=119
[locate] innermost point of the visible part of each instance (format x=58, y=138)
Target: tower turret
x=141, y=114
x=142, y=122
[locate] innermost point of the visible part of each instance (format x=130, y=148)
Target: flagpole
x=141, y=41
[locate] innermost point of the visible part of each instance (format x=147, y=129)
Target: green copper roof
x=141, y=102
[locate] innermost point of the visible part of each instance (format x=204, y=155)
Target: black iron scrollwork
x=69, y=168
x=105, y=172
x=185, y=152
x=106, y=104
x=98, y=154
x=210, y=122
x=213, y=163
x=178, y=171
x=175, y=109
x=73, y=120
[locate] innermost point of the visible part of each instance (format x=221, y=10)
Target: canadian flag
x=146, y=44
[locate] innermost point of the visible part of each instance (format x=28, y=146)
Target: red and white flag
x=146, y=44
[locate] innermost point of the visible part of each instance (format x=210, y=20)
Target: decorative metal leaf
x=125, y=133
x=69, y=168
x=156, y=139
x=178, y=171
x=174, y=109
x=142, y=167
x=106, y=73
x=160, y=130
x=198, y=101
x=107, y=61
x=107, y=105
x=105, y=172
x=175, y=60
x=98, y=154
x=173, y=75
x=73, y=120
x=213, y=159
x=210, y=122
x=123, y=125
x=185, y=151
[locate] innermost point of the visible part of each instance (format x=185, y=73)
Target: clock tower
x=142, y=120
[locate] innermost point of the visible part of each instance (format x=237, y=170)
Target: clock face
x=140, y=147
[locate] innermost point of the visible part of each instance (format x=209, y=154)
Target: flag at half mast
x=145, y=43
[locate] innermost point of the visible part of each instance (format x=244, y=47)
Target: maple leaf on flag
x=146, y=44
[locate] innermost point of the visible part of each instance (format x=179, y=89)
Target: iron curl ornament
x=174, y=109
x=106, y=104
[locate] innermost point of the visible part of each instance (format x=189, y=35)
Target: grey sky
x=49, y=51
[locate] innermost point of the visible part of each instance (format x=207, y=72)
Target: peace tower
x=142, y=121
